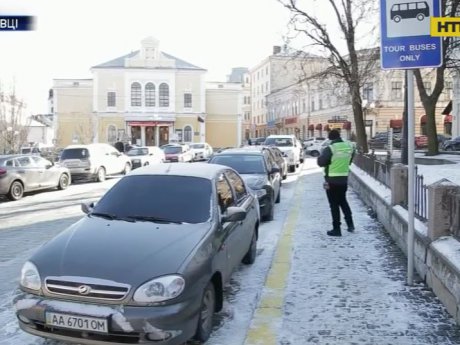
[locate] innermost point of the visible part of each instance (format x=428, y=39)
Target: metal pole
x=404, y=137
x=411, y=176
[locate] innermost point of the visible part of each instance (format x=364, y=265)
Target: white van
x=94, y=161
x=289, y=145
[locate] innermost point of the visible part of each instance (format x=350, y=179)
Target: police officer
x=336, y=160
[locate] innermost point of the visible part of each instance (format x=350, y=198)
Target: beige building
x=316, y=106
x=224, y=104
x=147, y=97
x=278, y=70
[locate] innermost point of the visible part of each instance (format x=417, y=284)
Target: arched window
x=188, y=132
x=149, y=95
x=111, y=134
x=164, y=95
x=136, y=94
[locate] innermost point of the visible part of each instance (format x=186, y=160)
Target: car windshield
x=139, y=151
x=75, y=154
x=172, y=149
x=197, y=146
x=279, y=141
x=244, y=164
x=158, y=197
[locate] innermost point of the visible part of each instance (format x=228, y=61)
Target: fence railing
x=421, y=197
x=379, y=167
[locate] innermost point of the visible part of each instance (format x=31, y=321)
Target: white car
x=145, y=155
x=94, y=161
x=178, y=153
x=311, y=141
x=315, y=149
x=289, y=145
x=201, y=151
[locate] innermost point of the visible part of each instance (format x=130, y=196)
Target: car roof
x=202, y=170
x=5, y=157
x=257, y=150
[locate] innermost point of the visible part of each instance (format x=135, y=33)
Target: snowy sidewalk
x=346, y=290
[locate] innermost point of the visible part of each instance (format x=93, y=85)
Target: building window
x=111, y=134
x=136, y=95
x=427, y=86
x=111, y=99
x=188, y=131
x=448, y=91
x=164, y=95
x=150, y=95
x=396, y=90
x=320, y=103
x=187, y=100
x=368, y=92
x=312, y=105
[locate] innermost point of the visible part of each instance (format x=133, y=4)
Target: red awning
x=311, y=127
x=448, y=119
x=327, y=128
x=423, y=120
x=319, y=127
x=396, y=124
x=346, y=125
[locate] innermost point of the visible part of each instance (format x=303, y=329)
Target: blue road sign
x=405, y=34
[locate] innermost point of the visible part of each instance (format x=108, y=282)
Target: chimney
x=276, y=50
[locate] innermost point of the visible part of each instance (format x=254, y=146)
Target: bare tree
x=449, y=8
x=13, y=127
x=355, y=65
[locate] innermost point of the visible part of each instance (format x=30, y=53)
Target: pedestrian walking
x=336, y=160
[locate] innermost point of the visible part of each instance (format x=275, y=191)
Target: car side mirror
x=87, y=207
x=234, y=214
x=49, y=165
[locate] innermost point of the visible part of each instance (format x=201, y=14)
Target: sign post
x=406, y=43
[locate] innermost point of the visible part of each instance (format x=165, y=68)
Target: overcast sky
x=71, y=36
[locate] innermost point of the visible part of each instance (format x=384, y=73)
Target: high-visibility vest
x=341, y=156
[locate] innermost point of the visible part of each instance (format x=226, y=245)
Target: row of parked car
x=29, y=172
x=166, y=254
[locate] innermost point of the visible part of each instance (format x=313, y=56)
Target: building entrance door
x=164, y=135
x=149, y=136
x=136, y=135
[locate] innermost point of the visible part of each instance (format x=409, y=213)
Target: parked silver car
x=20, y=174
x=150, y=269
x=94, y=161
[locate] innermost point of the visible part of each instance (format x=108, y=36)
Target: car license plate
x=77, y=322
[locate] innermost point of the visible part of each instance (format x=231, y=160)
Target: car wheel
x=127, y=169
x=64, y=181
x=251, y=254
x=314, y=153
x=100, y=176
x=278, y=198
x=208, y=306
x=301, y=160
x=397, y=19
x=292, y=168
x=16, y=191
x=420, y=16
x=146, y=163
x=284, y=177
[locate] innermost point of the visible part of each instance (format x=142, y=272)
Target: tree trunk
x=430, y=109
x=359, y=118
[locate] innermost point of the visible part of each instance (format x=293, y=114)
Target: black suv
x=257, y=167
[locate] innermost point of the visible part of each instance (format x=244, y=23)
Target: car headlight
x=260, y=193
x=30, y=278
x=160, y=289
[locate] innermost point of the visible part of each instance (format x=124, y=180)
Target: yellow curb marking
x=270, y=310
